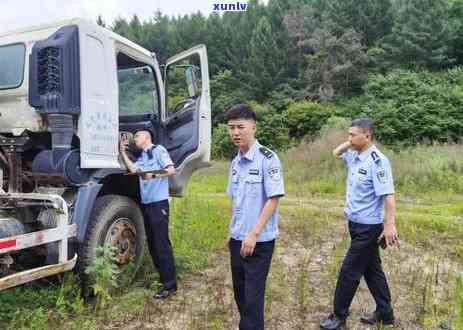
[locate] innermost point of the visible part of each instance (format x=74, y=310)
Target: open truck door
x=186, y=116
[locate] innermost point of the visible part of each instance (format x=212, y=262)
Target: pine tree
x=216, y=42
x=336, y=65
x=456, y=21
x=265, y=67
x=159, y=36
x=371, y=18
x=277, y=10
x=420, y=36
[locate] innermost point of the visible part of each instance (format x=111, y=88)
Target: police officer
x=370, y=191
x=255, y=185
x=154, y=190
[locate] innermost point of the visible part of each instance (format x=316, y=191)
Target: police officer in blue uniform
x=370, y=194
x=154, y=191
x=255, y=185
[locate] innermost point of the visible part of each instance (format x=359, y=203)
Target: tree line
x=304, y=63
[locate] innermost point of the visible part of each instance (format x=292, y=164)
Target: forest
x=308, y=64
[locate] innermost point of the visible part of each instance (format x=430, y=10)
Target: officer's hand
x=123, y=143
x=248, y=245
x=390, y=235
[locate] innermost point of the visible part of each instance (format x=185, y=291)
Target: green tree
x=413, y=107
x=456, y=24
x=335, y=65
x=222, y=146
x=371, y=18
x=159, y=36
x=272, y=129
x=217, y=43
x=276, y=12
x=306, y=118
x=266, y=67
x=225, y=91
x=420, y=36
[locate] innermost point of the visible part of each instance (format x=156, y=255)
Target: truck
x=68, y=91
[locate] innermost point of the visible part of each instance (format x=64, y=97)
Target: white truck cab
x=68, y=90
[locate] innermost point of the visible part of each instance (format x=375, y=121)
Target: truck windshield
x=12, y=65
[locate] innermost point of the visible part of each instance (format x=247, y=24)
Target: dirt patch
x=301, y=284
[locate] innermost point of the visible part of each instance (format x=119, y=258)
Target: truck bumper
x=61, y=233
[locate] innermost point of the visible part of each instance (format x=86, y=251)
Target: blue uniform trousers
x=249, y=276
x=362, y=259
x=157, y=233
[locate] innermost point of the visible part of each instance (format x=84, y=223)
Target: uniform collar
x=148, y=147
x=363, y=156
x=249, y=155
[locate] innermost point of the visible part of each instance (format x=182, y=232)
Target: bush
x=282, y=97
x=103, y=272
x=306, y=118
x=225, y=91
x=412, y=107
x=271, y=132
x=335, y=123
x=222, y=146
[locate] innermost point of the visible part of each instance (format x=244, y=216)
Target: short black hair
x=241, y=111
x=364, y=123
x=145, y=129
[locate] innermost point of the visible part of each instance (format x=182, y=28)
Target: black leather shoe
x=333, y=322
x=164, y=293
x=377, y=318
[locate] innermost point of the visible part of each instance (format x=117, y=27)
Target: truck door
x=186, y=117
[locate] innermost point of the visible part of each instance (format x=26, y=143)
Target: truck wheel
x=117, y=221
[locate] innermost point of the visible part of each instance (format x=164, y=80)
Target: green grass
x=198, y=229
x=311, y=169
x=423, y=272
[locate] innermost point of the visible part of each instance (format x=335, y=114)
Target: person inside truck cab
x=154, y=191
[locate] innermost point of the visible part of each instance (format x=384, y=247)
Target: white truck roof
x=76, y=21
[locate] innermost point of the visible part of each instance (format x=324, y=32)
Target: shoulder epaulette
x=150, y=151
x=375, y=156
x=266, y=152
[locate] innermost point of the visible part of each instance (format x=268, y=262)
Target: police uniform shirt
x=254, y=178
x=155, y=189
x=369, y=180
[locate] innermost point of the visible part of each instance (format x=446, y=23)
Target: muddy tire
x=118, y=221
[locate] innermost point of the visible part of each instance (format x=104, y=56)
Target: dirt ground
x=313, y=240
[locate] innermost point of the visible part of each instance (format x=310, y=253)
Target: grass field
x=423, y=273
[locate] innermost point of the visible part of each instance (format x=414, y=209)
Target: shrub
x=103, y=272
x=306, y=118
x=335, y=123
x=271, y=132
x=412, y=107
x=222, y=147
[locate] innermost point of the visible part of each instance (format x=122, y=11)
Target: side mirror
x=192, y=82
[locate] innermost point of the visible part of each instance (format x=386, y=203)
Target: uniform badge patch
x=275, y=174
x=253, y=171
x=382, y=176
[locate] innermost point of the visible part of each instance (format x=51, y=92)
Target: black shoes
x=378, y=318
x=164, y=293
x=333, y=322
